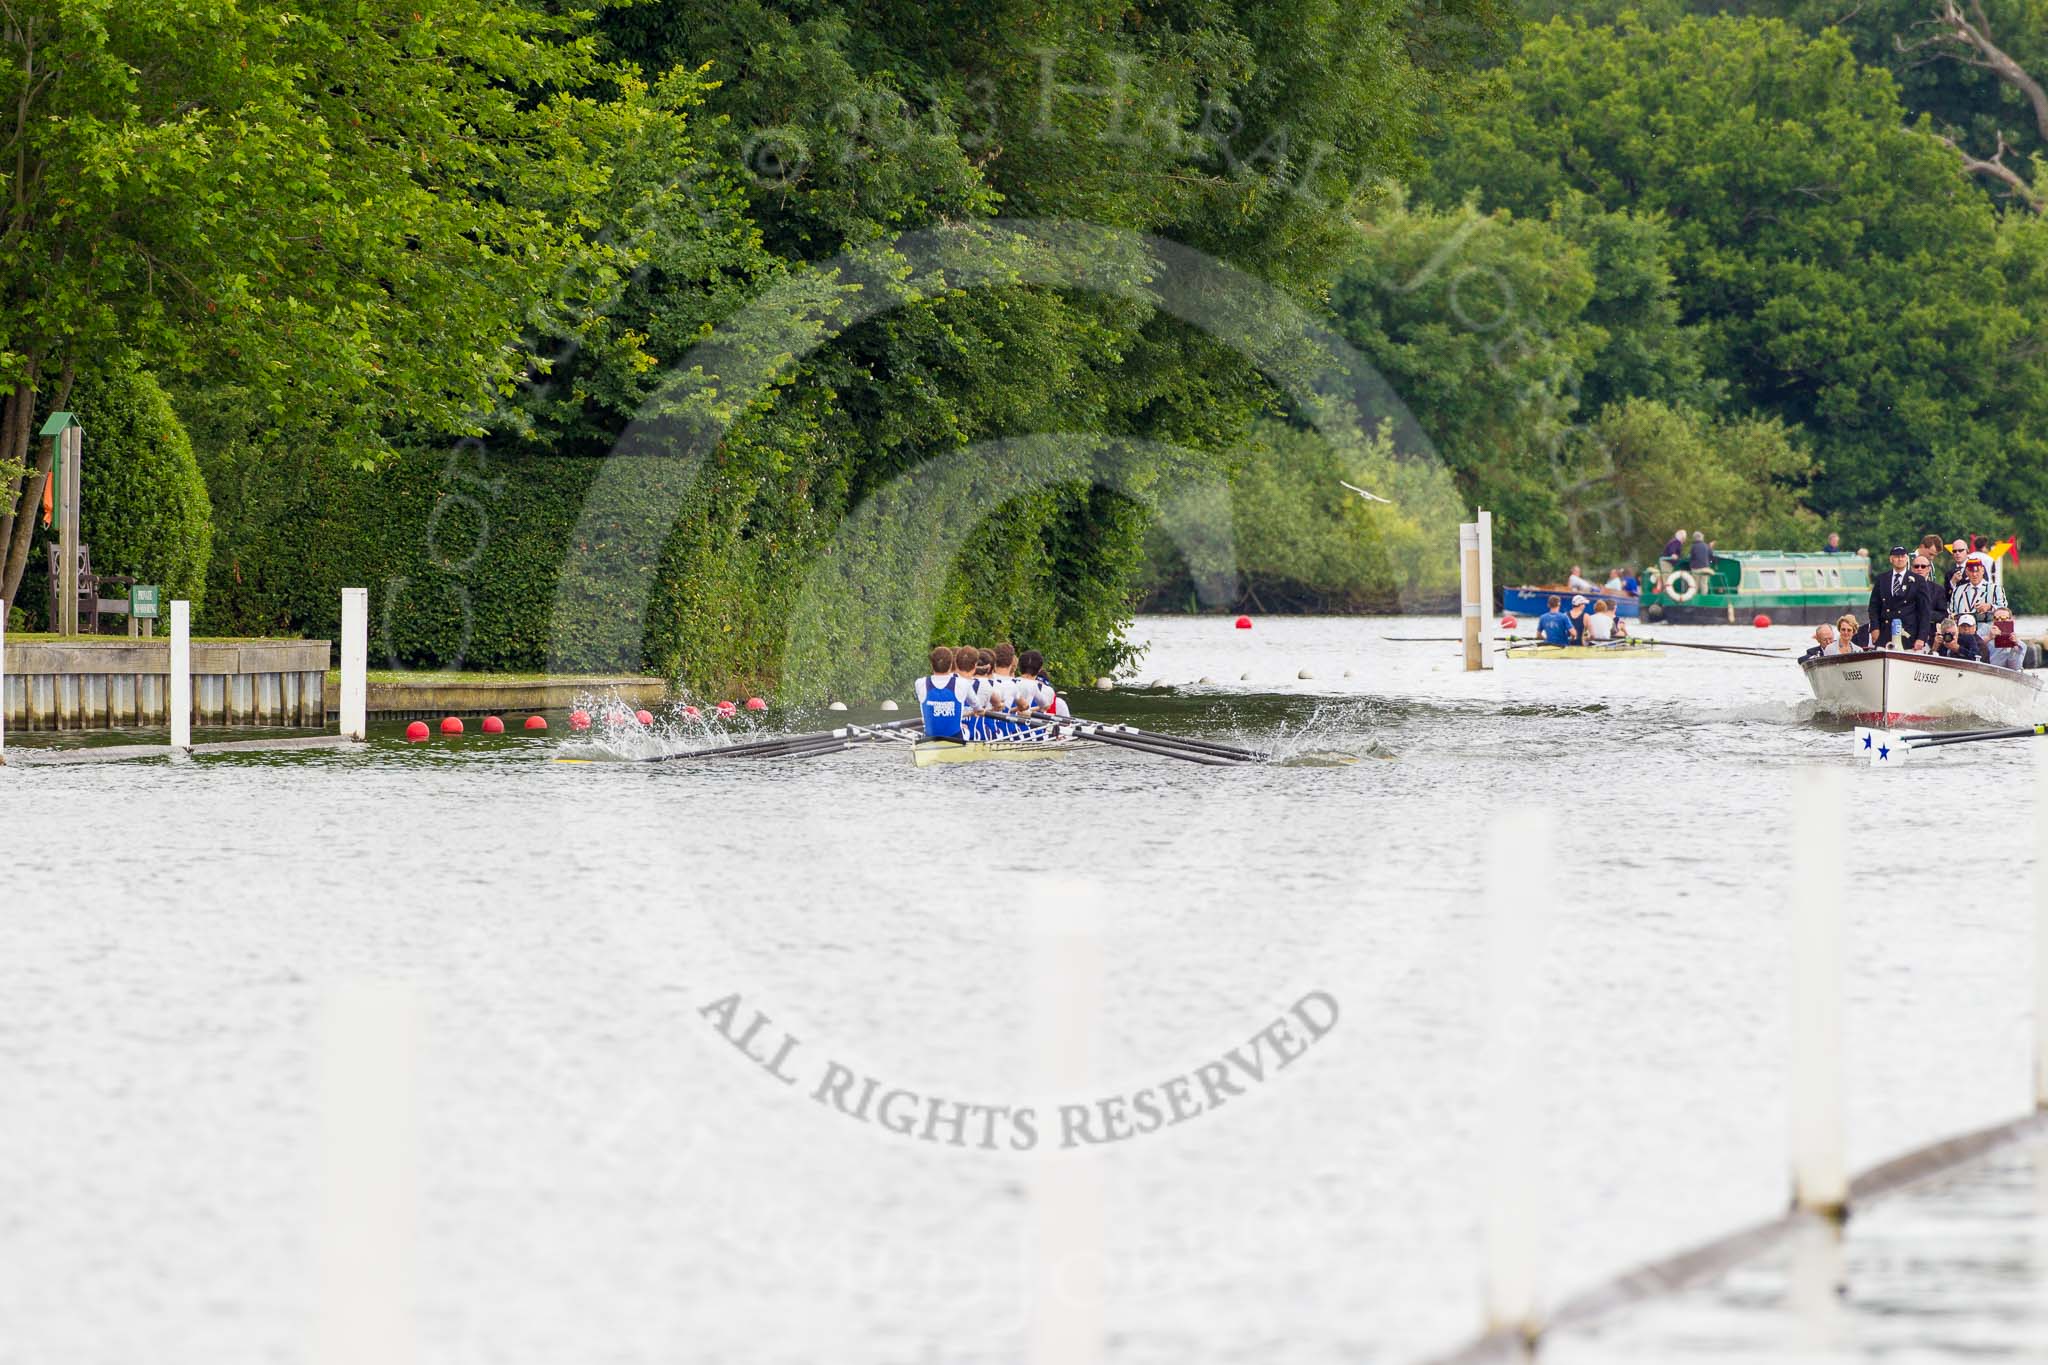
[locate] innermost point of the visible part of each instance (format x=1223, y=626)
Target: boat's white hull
x=1883, y=687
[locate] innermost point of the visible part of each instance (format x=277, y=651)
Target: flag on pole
x=1999, y=550
x=49, y=497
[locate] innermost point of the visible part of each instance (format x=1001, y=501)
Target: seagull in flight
x=1369, y=497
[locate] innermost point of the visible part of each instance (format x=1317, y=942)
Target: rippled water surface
x=598, y=1175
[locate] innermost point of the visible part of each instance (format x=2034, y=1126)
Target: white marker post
x=368, y=1140
x=355, y=662
x=3, y=680
x=2041, y=926
x=1820, y=1159
x=1489, y=629
x=1521, y=891
x=181, y=676
x=1066, y=1190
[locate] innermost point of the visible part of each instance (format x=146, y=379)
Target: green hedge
x=463, y=553
x=144, y=508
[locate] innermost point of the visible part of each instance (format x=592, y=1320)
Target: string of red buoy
x=580, y=719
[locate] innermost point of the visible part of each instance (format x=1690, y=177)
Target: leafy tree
x=342, y=206
x=1504, y=335
x=1842, y=275
x=1744, y=479
x=1306, y=541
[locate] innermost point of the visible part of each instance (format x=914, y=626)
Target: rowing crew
x=982, y=694
x=1580, y=626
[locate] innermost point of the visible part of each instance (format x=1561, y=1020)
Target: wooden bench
x=91, y=606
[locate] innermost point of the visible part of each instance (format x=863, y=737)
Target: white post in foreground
x=368, y=1045
x=181, y=675
x=1066, y=1191
x=3, y=680
x=1521, y=891
x=355, y=662
x=2041, y=926
x=1468, y=593
x=1820, y=1159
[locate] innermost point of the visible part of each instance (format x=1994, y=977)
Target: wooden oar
x=1760, y=651
x=1888, y=748
x=1198, y=745
x=764, y=746
x=1103, y=734
x=1645, y=641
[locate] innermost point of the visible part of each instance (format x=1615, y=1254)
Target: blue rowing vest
x=941, y=707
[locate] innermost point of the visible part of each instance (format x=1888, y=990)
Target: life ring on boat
x=1681, y=586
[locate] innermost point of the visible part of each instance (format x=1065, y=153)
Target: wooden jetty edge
x=1517, y=1321
x=1699, y=1264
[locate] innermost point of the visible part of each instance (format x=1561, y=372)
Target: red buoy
x=1508, y=623
x=416, y=732
x=451, y=725
x=579, y=720
x=726, y=708
x=644, y=717
x=690, y=713
x=756, y=704
x=616, y=717
x=536, y=723
x=1762, y=621
x=493, y=726
x=1244, y=623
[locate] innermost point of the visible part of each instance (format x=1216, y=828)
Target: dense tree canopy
x=1844, y=274
x=352, y=208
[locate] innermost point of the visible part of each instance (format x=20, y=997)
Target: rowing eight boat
x=930, y=751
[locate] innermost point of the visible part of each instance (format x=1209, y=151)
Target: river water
x=598, y=1173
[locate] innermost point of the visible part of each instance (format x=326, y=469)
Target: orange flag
x=49, y=497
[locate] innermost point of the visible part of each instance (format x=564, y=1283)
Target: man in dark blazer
x=1895, y=595
x=1934, y=586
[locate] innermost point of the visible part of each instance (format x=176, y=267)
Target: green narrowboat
x=1792, y=589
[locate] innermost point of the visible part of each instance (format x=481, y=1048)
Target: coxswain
x=938, y=698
